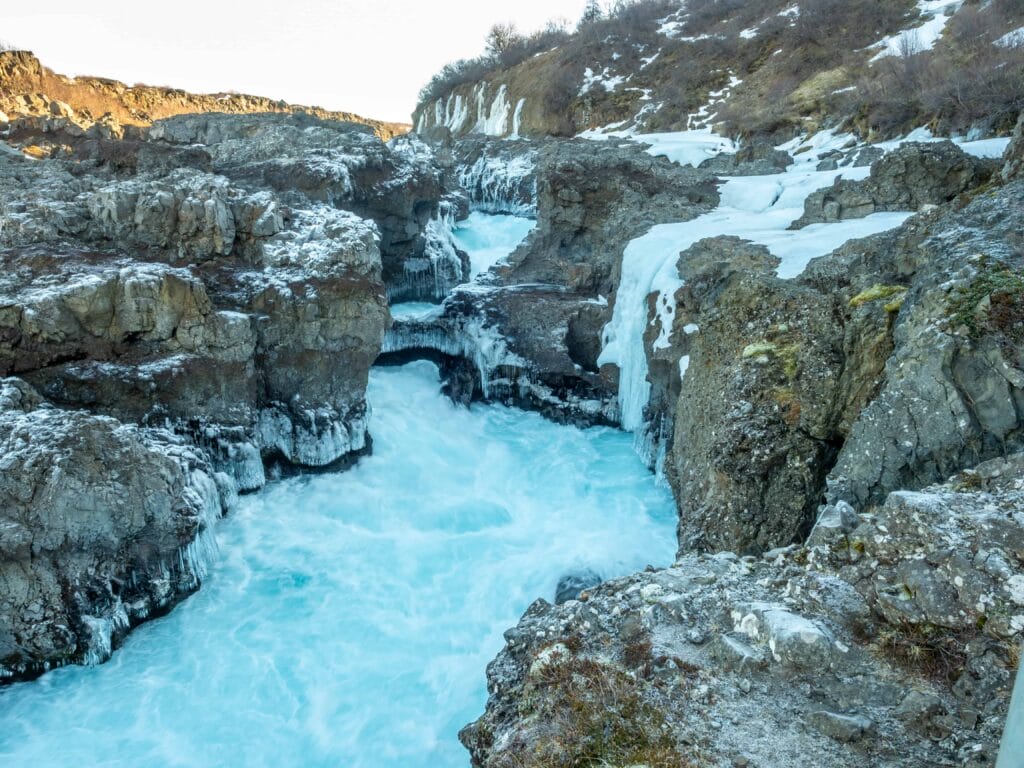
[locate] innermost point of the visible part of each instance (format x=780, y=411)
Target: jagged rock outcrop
x=102, y=525
x=397, y=185
x=242, y=344
x=952, y=393
x=754, y=427
x=889, y=640
x=889, y=364
x=203, y=311
x=592, y=199
x=28, y=88
x=913, y=175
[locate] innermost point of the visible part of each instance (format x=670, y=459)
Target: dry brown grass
x=593, y=714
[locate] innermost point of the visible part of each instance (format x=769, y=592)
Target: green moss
x=992, y=302
x=787, y=355
x=760, y=349
x=878, y=293
x=896, y=304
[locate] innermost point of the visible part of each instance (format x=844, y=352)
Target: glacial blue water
x=351, y=616
x=489, y=238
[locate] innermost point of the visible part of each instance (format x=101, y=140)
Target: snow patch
x=923, y=37
x=604, y=78
x=755, y=208
x=1013, y=39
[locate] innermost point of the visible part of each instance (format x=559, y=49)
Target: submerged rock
x=572, y=585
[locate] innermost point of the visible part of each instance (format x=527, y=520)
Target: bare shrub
x=506, y=47
x=964, y=82
x=559, y=94
x=828, y=23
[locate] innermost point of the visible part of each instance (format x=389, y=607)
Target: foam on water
x=351, y=617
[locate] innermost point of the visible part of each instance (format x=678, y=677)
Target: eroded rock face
x=806, y=656
x=499, y=176
x=238, y=344
x=101, y=526
x=889, y=364
x=592, y=199
x=752, y=437
x=200, y=317
x=952, y=393
x=532, y=328
x=913, y=175
x=397, y=185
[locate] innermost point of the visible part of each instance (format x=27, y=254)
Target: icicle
x=495, y=184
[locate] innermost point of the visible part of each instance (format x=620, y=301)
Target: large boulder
x=890, y=640
x=911, y=176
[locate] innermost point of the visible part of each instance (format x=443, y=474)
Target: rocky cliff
x=196, y=303
x=889, y=639
x=29, y=89
x=834, y=441
x=201, y=301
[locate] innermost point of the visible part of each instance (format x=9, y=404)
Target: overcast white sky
x=365, y=56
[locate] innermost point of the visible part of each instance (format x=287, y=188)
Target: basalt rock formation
x=195, y=304
x=532, y=327
x=889, y=364
x=102, y=525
